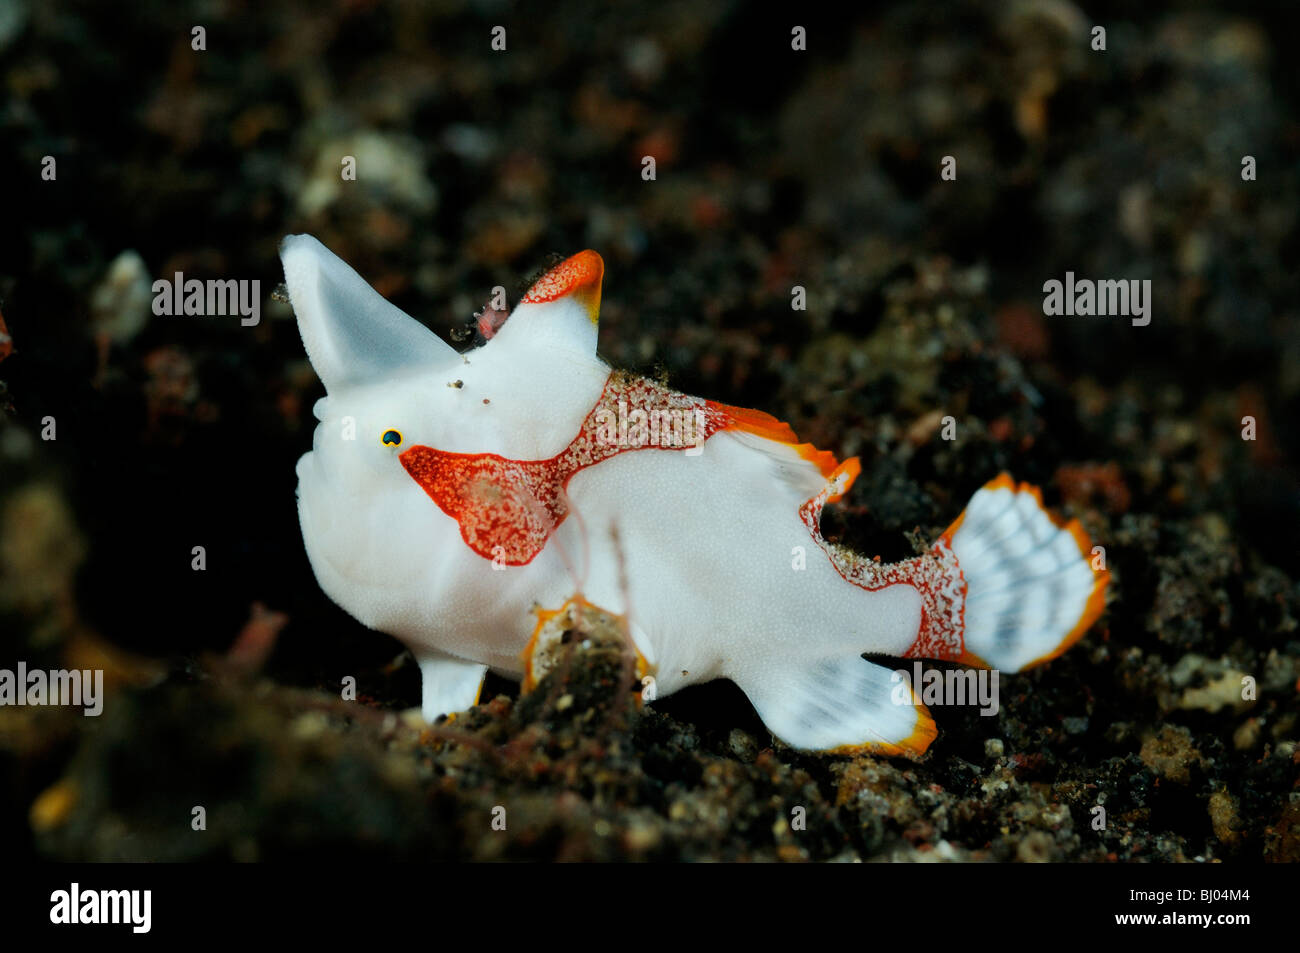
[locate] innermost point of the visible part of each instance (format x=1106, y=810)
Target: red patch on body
x=935, y=575
x=579, y=275
x=507, y=509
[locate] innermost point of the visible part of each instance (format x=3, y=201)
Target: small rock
x=388, y=168
x=1171, y=753
x=308, y=725
x=1037, y=847
x=1247, y=735
x=1223, y=815
x=641, y=837
x=123, y=301
x=1225, y=690
x=742, y=745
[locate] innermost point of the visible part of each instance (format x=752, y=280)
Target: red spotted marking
x=508, y=509
x=935, y=575
x=579, y=275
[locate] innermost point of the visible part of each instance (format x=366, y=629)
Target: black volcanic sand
x=774, y=169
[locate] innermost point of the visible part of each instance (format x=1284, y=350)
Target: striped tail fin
x=1031, y=590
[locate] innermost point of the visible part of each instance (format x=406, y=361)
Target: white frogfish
x=459, y=500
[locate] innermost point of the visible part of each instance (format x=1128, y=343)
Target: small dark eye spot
x=392, y=438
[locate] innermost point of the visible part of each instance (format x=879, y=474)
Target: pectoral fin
x=449, y=684
x=841, y=706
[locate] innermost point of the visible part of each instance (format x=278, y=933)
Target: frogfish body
x=454, y=500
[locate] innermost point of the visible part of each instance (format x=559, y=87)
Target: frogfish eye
x=392, y=438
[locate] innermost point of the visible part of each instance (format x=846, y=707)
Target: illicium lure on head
x=446, y=515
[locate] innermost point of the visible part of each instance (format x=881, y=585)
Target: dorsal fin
x=562, y=308
x=353, y=335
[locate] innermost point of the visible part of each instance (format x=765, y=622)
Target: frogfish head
x=370, y=531
x=368, y=496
